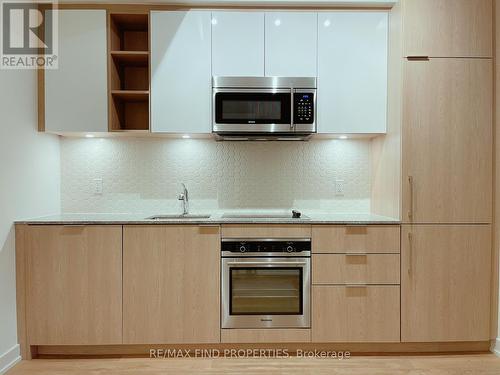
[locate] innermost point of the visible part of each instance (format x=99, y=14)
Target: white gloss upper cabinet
x=352, y=72
x=238, y=44
x=291, y=44
x=73, y=104
x=181, y=71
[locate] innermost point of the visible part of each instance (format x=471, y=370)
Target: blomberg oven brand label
x=29, y=37
x=160, y=353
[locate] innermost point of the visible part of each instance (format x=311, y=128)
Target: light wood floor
x=483, y=364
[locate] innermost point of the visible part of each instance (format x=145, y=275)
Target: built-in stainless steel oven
x=265, y=106
x=266, y=283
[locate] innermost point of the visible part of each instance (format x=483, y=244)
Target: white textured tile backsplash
x=144, y=175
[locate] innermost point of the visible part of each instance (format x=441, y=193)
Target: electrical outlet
x=97, y=186
x=339, y=187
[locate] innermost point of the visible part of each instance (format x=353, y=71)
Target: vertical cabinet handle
x=410, y=210
x=410, y=253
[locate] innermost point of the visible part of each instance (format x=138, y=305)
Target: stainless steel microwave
x=264, y=107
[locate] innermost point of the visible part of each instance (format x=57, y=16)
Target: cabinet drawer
x=355, y=314
x=332, y=239
x=355, y=269
x=266, y=231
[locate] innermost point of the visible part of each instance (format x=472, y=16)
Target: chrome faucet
x=184, y=197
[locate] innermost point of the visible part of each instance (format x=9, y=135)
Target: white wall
x=29, y=186
x=144, y=175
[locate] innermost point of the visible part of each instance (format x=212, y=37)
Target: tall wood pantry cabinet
x=446, y=182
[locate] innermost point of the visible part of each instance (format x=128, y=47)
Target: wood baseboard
x=113, y=351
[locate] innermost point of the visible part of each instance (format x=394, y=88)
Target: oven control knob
x=289, y=249
x=243, y=248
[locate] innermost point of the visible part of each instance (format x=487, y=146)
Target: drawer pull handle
x=356, y=286
x=356, y=254
x=360, y=230
x=418, y=58
x=410, y=253
x=410, y=210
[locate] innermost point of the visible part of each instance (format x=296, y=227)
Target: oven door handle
x=267, y=263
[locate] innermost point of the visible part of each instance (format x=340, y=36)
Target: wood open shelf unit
x=129, y=72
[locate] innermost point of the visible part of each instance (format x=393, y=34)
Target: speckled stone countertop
x=215, y=218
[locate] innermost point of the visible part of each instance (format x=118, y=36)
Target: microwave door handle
x=292, y=105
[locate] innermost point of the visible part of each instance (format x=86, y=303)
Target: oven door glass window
x=265, y=291
x=253, y=108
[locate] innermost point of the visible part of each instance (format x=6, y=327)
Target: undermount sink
x=177, y=217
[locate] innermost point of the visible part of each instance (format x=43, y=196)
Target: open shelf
x=135, y=58
x=129, y=32
x=129, y=77
x=129, y=113
x=130, y=95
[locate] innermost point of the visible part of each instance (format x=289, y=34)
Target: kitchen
x=241, y=175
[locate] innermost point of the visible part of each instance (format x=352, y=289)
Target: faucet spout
x=184, y=197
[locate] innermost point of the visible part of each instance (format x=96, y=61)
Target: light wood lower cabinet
x=335, y=239
x=73, y=284
x=445, y=283
x=171, y=284
x=355, y=269
x=160, y=284
x=355, y=314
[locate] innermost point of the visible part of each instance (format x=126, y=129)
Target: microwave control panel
x=303, y=111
